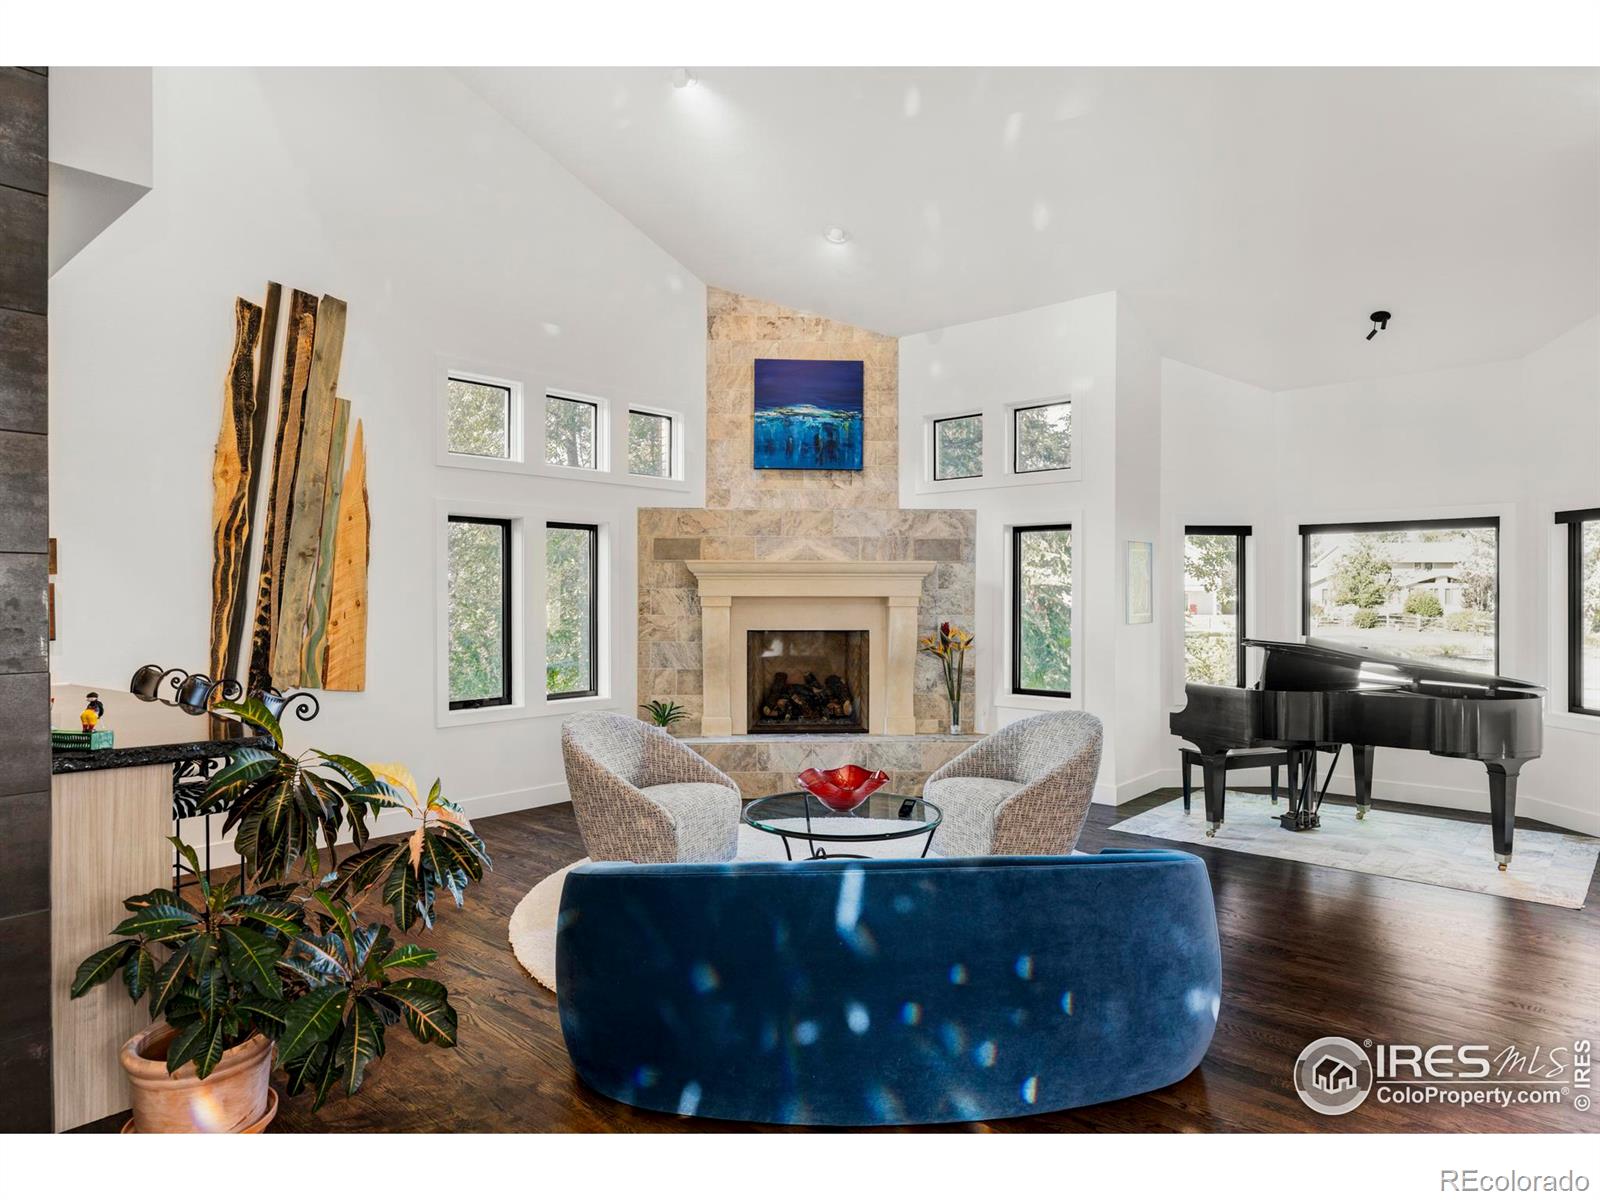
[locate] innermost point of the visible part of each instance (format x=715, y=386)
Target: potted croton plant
x=284, y=960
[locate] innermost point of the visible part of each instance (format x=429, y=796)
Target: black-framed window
x=1428, y=590
x=1583, y=609
x=477, y=417
x=649, y=444
x=958, y=447
x=1214, y=594
x=572, y=608
x=478, y=616
x=1041, y=437
x=571, y=432
x=1041, y=610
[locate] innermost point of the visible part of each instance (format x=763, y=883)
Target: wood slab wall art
x=309, y=626
x=345, y=668
x=230, y=483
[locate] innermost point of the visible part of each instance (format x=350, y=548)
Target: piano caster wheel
x=1361, y=814
x=1502, y=866
x=1211, y=830
x=1503, y=861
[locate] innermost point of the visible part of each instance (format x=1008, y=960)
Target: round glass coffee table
x=881, y=817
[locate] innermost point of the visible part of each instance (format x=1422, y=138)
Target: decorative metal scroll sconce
x=196, y=693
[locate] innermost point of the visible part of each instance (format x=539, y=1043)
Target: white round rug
x=533, y=921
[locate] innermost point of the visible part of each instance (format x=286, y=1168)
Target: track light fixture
x=1380, y=320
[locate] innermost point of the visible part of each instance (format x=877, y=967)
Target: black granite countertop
x=147, y=732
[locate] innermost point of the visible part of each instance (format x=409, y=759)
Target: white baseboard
x=223, y=855
x=1428, y=795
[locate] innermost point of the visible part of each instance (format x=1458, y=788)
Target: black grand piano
x=1317, y=695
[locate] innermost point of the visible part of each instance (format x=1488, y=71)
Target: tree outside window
x=571, y=599
x=1041, y=588
x=1213, y=586
x=569, y=432
x=478, y=599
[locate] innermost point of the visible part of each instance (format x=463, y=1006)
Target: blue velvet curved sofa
x=887, y=991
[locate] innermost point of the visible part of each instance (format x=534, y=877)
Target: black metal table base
x=819, y=853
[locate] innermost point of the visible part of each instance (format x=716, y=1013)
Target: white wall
x=1517, y=440
x=450, y=235
x=1061, y=349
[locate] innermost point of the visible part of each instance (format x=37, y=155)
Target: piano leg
x=1503, y=806
x=1361, y=763
x=1214, y=767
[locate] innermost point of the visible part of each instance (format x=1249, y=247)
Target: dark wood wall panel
x=23, y=371
x=24, y=225
x=25, y=1097
x=24, y=140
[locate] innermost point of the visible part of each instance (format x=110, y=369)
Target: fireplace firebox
x=807, y=680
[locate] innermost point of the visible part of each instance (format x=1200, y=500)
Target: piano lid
x=1323, y=665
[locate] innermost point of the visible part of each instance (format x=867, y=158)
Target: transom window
x=478, y=417
x=958, y=447
x=1214, y=604
x=571, y=432
x=478, y=593
x=1041, y=610
x=1042, y=437
x=1583, y=609
x=572, y=600
x=1427, y=590
x=649, y=444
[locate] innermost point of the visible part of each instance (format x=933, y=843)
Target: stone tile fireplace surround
x=802, y=550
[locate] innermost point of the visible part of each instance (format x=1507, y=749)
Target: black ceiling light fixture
x=1380, y=320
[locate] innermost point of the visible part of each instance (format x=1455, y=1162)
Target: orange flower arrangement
x=950, y=645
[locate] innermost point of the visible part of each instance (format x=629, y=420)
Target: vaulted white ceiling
x=1251, y=217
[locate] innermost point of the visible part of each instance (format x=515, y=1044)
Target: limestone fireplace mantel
x=880, y=597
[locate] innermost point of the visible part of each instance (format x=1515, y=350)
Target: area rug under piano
x=1547, y=868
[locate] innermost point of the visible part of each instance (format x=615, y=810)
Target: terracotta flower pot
x=234, y=1098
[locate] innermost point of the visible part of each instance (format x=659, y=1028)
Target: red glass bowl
x=842, y=788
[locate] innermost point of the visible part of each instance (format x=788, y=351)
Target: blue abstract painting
x=808, y=414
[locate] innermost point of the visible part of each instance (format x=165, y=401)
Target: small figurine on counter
x=89, y=719
x=93, y=701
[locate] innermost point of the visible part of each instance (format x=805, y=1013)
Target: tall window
x=1042, y=437
x=1427, y=590
x=479, y=612
x=1041, y=610
x=958, y=447
x=478, y=418
x=571, y=432
x=649, y=444
x=1583, y=609
x=1213, y=604
x=572, y=599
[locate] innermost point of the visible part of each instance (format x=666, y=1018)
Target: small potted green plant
x=664, y=713
x=279, y=956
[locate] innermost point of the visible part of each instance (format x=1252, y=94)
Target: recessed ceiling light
x=682, y=77
x=836, y=234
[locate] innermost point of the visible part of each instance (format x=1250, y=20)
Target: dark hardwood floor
x=1307, y=951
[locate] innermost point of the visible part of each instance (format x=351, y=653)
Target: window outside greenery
x=1589, y=623
x=1211, y=573
x=477, y=591
x=569, y=432
x=1042, y=610
x=649, y=444
x=958, y=448
x=1043, y=435
x=570, y=583
x=478, y=418
x=1421, y=591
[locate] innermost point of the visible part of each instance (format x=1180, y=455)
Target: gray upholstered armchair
x=1023, y=790
x=643, y=796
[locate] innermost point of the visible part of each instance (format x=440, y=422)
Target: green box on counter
x=73, y=739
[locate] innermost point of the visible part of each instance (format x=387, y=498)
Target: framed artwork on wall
x=1140, y=594
x=808, y=414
